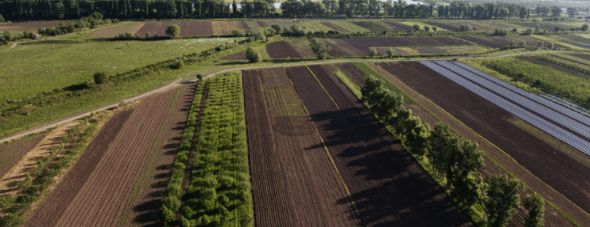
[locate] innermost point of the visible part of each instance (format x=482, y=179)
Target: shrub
x=276, y=27
x=177, y=65
x=199, y=76
x=237, y=33
x=416, y=27
x=434, y=28
x=1, y=18
x=148, y=35
x=584, y=27
x=319, y=48
x=522, y=44
x=253, y=56
x=529, y=31
x=427, y=28
x=173, y=31
x=539, y=44
x=389, y=52
x=372, y=52
x=100, y=78
x=550, y=46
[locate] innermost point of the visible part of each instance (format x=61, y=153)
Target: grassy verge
x=546, y=39
x=368, y=71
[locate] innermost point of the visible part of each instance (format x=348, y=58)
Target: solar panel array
x=567, y=104
x=518, y=111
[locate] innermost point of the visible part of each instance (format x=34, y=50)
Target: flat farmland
x=146, y=198
x=226, y=27
x=53, y=207
x=335, y=27
x=101, y=200
x=123, y=28
x=293, y=180
x=28, y=26
x=281, y=50
x=192, y=28
x=372, y=26
x=12, y=152
x=387, y=186
x=399, y=27
x=237, y=56
x=558, y=170
x=505, y=41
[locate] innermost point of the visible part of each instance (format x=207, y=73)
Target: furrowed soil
x=293, y=180
x=192, y=28
x=28, y=26
x=361, y=46
x=110, y=32
x=399, y=27
x=335, y=27
x=353, y=73
x=560, y=172
x=13, y=152
x=281, y=50
x=53, y=207
x=102, y=198
x=146, y=198
x=505, y=41
x=582, y=56
x=387, y=185
x=23, y=166
x=432, y=114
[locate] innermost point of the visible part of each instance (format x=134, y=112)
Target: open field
x=491, y=122
x=574, y=40
x=376, y=169
x=110, y=32
x=32, y=69
x=226, y=27
x=475, y=25
x=506, y=41
x=106, y=190
x=496, y=161
x=55, y=204
x=14, y=151
x=192, y=28
x=28, y=26
x=303, y=173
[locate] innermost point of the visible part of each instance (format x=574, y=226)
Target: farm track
x=53, y=207
x=146, y=199
x=552, y=218
x=13, y=152
x=102, y=198
x=492, y=123
x=309, y=186
x=387, y=186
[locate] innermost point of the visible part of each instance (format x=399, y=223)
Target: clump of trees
x=319, y=48
x=465, y=27
x=1, y=18
x=500, y=32
x=100, y=78
x=252, y=55
x=173, y=31
x=452, y=157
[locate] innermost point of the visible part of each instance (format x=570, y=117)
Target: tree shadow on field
x=386, y=184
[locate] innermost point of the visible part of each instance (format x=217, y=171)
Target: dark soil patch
x=281, y=50
x=335, y=27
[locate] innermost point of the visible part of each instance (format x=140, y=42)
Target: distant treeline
x=178, y=9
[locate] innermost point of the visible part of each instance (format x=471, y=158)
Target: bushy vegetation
x=547, y=78
x=368, y=71
x=319, y=48
x=252, y=55
x=219, y=192
x=173, y=31
x=85, y=22
x=36, y=183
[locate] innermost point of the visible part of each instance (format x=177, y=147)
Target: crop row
x=219, y=190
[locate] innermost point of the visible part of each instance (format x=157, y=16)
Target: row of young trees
x=456, y=159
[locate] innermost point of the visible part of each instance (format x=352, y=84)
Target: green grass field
x=32, y=69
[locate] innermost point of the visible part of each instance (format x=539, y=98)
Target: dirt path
x=215, y=71
x=9, y=182
x=13, y=45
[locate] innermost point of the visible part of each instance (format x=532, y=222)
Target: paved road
x=215, y=71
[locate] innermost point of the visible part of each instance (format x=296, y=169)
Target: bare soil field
x=281, y=50
x=363, y=44
x=294, y=183
x=560, y=171
x=226, y=27
x=399, y=27
x=103, y=196
x=28, y=26
x=112, y=31
x=387, y=186
x=335, y=27
x=500, y=159
x=55, y=204
x=237, y=56
x=192, y=28
x=146, y=198
x=504, y=41
x=12, y=152
x=353, y=73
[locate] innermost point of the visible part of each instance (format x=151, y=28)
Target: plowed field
x=281, y=50
x=12, y=152
x=55, y=204
x=504, y=41
x=192, y=28
x=558, y=170
x=293, y=180
x=142, y=207
x=116, y=30
x=237, y=56
x=28, y=26
x=552, y=218
x=102, y=198
x=387, y=186
x=399, y=27
x=357, y=76
x=334, y=27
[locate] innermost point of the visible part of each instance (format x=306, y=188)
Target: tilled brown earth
x=386, y=184
x=558, y=170
x=293, y=180
x=281, y=50
x=55, y=204
x=102, y=198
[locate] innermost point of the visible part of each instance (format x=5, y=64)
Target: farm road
x=215, y=71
